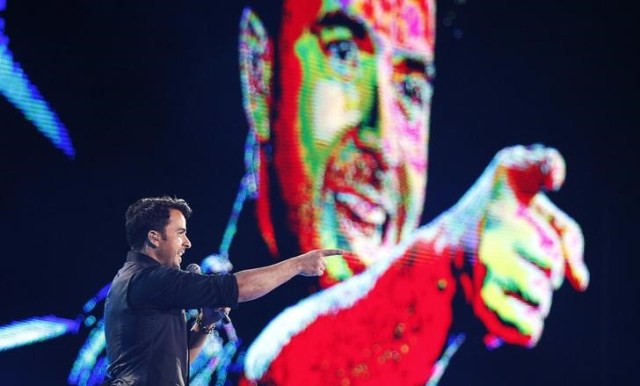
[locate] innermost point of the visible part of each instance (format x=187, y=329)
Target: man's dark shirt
x=145, y=325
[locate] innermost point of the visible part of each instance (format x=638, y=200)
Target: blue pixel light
x=90, y=366
x=38, y=329
x=90, y=305
x=16, y=87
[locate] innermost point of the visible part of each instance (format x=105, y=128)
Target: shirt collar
x=138, y=257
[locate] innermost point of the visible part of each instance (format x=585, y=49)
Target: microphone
x=195, y=268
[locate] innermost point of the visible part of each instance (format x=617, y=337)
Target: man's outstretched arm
x=257, y=282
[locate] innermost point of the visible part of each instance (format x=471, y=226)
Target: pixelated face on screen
x=351, y=131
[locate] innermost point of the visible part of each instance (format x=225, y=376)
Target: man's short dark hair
x=151, y=213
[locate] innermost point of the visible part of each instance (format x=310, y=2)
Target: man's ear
x=256, y=70
x=256, y=74
x=153, y=238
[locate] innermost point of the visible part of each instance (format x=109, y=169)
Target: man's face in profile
x=352, y=122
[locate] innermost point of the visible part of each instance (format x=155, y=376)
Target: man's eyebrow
x=416, y=64
x=340, y=19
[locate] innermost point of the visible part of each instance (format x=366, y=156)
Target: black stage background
x=151, y=97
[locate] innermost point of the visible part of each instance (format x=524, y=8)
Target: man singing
x=148, y=342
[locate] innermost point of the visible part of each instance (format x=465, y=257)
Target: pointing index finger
x=532, y=169
x=331, y=252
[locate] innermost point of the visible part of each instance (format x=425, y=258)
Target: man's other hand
x=520, y=245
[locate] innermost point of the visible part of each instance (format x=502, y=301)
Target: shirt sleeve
x=167, y=287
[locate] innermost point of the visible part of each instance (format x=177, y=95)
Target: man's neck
x=147, y=251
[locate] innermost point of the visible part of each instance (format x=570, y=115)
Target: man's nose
x=187, y=242
x=379, y=132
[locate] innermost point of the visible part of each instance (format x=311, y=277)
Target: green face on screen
x=351, y=129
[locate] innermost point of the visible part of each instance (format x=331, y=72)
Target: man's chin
x=366, y=241
x=366, y=248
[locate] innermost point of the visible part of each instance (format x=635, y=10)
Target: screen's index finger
x=532, y=169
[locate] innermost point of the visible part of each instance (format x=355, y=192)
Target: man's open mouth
x=360, y=208
x=354, y=184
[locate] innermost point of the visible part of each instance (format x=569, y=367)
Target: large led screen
x=447, y=148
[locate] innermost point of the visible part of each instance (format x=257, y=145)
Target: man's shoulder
x=134, y=268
